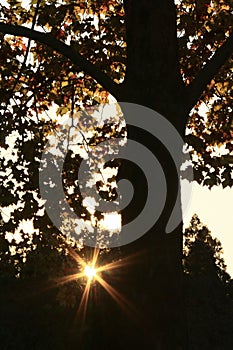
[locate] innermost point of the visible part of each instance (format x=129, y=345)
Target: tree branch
x=25, y=56
x=66, y=50
x=209, y=71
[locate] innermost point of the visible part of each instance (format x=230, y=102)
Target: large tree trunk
x=155, y=283
x=153, y=76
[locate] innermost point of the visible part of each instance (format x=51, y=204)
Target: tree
x=208, y=289
x=169, y=57
x=203, y=253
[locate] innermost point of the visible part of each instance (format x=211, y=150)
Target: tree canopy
x=82, y=49
x=59, y=58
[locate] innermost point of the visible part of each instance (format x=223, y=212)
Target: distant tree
x=203, y=254
x=208, y=290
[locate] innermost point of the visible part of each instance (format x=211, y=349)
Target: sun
x=90, y=272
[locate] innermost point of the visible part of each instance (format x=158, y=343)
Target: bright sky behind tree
x=214, y=208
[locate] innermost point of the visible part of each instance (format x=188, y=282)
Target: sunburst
x=92, y=273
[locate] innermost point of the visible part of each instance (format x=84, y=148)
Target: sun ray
x=77, y=257
x=95, y=256
x=119, y=263
x=69, y=278
x=82, y=310
x=117, y=296
x=90, y=272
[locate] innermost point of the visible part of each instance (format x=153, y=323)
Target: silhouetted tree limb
x=66, y=50
x=210, y=69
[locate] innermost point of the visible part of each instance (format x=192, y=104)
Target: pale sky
x=214, y=208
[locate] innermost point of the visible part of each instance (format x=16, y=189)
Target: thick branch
x=209, y=71
x=66, y=50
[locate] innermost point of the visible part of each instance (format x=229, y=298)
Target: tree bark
x=153, y=80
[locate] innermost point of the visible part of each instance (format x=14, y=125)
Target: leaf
x=196, y=142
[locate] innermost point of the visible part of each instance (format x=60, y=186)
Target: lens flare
x=90, y=272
